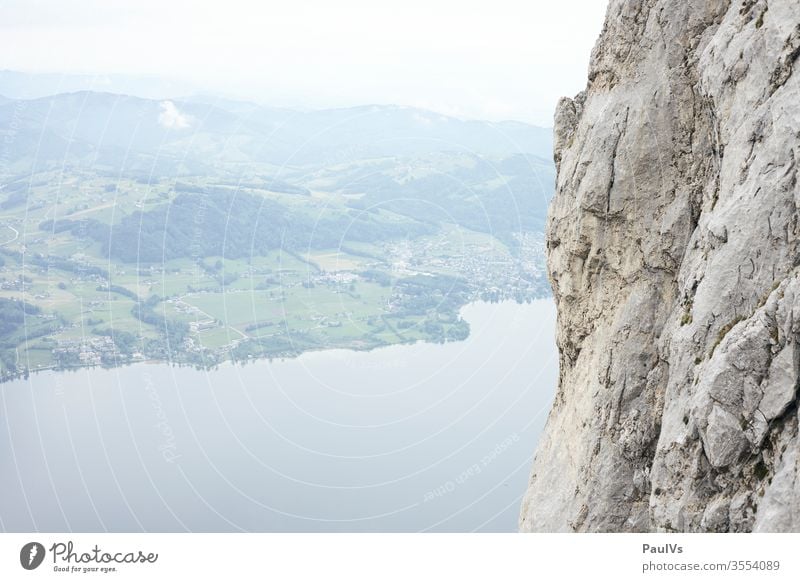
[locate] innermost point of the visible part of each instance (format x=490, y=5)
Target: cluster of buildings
x=89, y=351
x=488, y=266
x=17, y=284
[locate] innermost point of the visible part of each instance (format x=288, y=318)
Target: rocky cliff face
x=673, y=254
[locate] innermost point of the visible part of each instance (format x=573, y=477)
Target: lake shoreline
x=243, y=362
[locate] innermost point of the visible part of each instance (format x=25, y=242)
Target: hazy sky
x=492, y=59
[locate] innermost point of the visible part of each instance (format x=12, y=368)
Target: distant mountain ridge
x=491, y=177
x=179, y=137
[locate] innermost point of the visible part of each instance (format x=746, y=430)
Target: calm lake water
x=404, y=438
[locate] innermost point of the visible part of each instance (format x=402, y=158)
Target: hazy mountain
x=489, y=177
x=118, y=130
x=18, y=85
x=381, y=130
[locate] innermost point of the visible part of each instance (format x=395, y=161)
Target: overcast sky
x=490, y=59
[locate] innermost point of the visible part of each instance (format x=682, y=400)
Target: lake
x=419, y=437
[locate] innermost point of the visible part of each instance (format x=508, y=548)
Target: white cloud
x=172, y=118
x=422, y=119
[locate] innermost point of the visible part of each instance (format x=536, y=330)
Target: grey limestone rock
x=673, y=254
